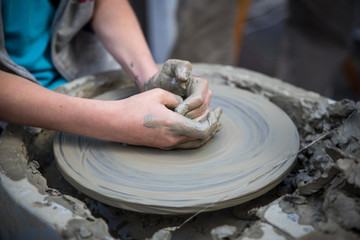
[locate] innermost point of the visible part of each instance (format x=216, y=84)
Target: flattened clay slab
x=250, y=155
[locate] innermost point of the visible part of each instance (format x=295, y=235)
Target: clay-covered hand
x=156, y=125
x=175, y=77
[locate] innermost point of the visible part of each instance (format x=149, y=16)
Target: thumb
x=171, y=100
x=180, y=69
x=183, y=70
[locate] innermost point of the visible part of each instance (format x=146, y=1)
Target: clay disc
x=250, y=155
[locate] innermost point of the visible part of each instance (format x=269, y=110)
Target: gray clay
x=319, y=199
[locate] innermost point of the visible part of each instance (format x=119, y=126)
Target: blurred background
x=313, y=44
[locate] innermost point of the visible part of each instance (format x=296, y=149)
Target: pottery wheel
x=250, y=155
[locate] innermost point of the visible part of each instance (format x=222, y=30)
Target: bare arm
x=144, y=119
x=139, y=120
x=117, y=27
x=24, y=102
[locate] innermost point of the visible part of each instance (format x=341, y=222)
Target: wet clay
x=325, y=173
x=202, y=131
x=175, y=76
x=252, y=153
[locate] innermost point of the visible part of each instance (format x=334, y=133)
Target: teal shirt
x=27, y=27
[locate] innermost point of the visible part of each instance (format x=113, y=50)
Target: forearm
x=117, y=27
x=142, y=119
x=26, y=103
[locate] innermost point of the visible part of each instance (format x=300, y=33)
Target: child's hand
x=150, y=122
x=175, y=77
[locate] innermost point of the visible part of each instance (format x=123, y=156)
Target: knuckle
x=159, y=91
x=170, y=143
x=198, y=100
x=188, y=66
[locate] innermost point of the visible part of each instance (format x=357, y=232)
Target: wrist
x=144, y=74
x=140, y=68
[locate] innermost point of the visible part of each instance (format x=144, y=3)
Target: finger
x=188, y=105
x=168, y=99
x=182, y=140
x=200, y=99
x=217, y=129
x=211, y=124
x=189, y=145
x=199, y=114
x=179, y=69
x=205, y=128
x=196, y=143
x=173, y=106
x=183, y=70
